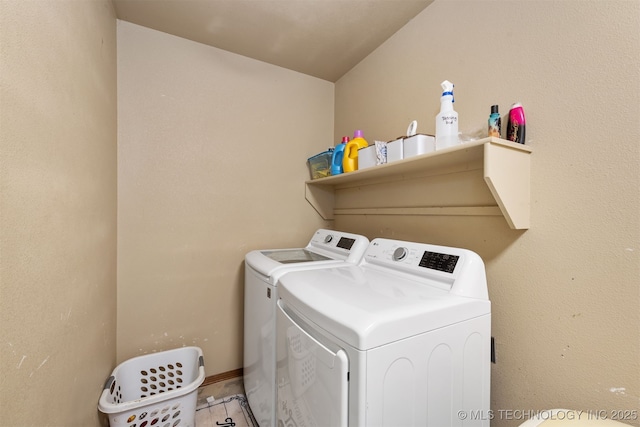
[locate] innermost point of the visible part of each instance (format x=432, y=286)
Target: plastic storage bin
x=418, y=144
x=394, y=150
x=373, y=155
x=159, y=389
x=366, y=157
x=320, y=164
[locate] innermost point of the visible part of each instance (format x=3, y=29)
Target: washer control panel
x=338, y=245
x=343, y=242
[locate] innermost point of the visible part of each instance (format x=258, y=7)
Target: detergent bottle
x=447, y=119
x=350, y=158
x=338, y=155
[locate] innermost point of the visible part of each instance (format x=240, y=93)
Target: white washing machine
x=402, y=339
x=263, y=268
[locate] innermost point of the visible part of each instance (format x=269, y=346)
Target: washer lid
x=291, y=256
x=271, y=268
x=368, y=308
x=326, y=247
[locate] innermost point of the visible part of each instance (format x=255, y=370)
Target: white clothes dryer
x=402, y=339
x=263, y=269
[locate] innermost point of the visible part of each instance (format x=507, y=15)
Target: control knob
x=399, y=254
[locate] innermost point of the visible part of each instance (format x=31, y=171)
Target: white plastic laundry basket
x=158, y=389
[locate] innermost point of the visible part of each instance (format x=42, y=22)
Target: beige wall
x=211, y=150
x=206, y=136
x=566, y=293
x=57, y=210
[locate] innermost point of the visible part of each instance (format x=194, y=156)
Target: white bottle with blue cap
x=447, y=119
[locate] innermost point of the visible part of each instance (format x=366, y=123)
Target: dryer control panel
x=433, y=260
x=459, y=270
x=439, y=262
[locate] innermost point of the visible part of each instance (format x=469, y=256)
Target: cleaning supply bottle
x=516, y=124
x=447, y=119
x=350, y=158
x=338, y=155
x=494, y=122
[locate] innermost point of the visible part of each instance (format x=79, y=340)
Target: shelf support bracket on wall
x=322, y=198
x=507, y=173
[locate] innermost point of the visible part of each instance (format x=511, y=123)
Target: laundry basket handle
x=201, y=361
x=108, y=382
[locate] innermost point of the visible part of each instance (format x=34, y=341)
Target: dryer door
x=312, y=378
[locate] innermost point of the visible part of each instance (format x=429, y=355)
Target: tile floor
x=223, y=404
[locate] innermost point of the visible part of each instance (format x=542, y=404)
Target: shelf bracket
x=507, y=173
x=322, y=198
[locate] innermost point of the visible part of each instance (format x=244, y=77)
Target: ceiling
x=321, y=38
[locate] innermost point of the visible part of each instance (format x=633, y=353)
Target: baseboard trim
x=222, y=377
